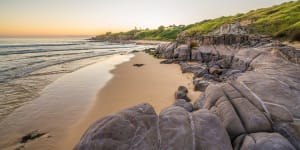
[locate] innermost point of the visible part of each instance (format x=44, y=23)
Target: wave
x=31, y=67
x=55, y=50
x=37, y=45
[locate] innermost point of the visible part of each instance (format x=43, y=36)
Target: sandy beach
x=153, y=83
x=67, y=107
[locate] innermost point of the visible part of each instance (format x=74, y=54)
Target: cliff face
x=250, y=99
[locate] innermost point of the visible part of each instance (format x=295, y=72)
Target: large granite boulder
x=175, y=129
x=134, y=128
x=238, y=112
x=209, y=132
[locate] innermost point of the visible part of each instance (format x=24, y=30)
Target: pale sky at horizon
x=92, y=17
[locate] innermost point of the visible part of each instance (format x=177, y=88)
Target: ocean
x=27, y=65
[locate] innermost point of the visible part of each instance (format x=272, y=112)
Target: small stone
x=31, y=136
x=168, y=61
x=138, y=65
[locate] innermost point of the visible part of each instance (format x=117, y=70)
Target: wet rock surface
x=250, y=98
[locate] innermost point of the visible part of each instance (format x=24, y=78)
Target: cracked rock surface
x=250, y=99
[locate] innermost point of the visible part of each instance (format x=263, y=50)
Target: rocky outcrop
x=140, y=128
x=250, y=99
x=250, y=82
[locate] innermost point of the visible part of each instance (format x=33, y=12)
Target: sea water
x=27, y=65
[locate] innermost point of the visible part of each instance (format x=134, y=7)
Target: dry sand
x=153, y=83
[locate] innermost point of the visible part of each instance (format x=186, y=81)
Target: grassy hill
x=280, y=21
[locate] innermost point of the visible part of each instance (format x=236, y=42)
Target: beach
x=153, y=83
x=65, y=118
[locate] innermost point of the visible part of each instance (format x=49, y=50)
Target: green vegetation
x=280, y=21
x=161, y=33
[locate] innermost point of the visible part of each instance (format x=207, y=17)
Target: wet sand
x=153, y=83
x=69, y=105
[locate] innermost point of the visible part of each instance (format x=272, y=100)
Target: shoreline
x=128, y=84
x=59, y=105
x=153, y=83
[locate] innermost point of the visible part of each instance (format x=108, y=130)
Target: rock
x=201, y=73
x=192, y=68
x=169, y=51
x=160, y=51
x=31, y=136
x=238, y=114
x=182, y=52
x=198, y=104
x=215, y=70
x=181, y=130
x=184, y=104
x=133, y=128
x=183, y=89
x=181, y=93
x=291, y=131
x=264, y=141
x=138, y=65
x=230, y=74
x=209, y=132
x=167, y=61
x=175, y=129
x=279, y=113
x=200, y=85
x=196, y=55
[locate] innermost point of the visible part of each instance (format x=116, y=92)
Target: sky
x=92, y=17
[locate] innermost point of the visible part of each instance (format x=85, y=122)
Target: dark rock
x=183, y=89
x=133, y=128
x=138, y=65
x=182, y=95
x=31, y=136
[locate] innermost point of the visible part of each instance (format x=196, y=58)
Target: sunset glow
x=91, y=17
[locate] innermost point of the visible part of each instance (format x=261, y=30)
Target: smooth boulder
x=134, y=128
